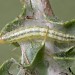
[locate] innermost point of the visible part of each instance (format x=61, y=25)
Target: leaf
x=69, y=52
x=4, y=68
x=12, y=25
x=17, y=22
x=67, y=27
x=34, y=52
x=65, y=54
x=65, y=51
x=69, y=23
x=32, y=49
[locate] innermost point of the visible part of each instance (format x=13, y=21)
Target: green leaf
x=69, y=23
x=65, y=51
x=66, y=27
x=32, y=51
x=4, y=68
x=69, y=52
x=17, y=22
x=12, y=25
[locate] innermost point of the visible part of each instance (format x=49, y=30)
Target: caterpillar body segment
x=35, y=32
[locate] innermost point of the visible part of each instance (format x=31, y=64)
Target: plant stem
x=38, y=8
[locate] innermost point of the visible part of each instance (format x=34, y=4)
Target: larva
x=34, y=32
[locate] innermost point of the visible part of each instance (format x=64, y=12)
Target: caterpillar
x=35, y=32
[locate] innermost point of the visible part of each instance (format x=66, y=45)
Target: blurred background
x=9, y=9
